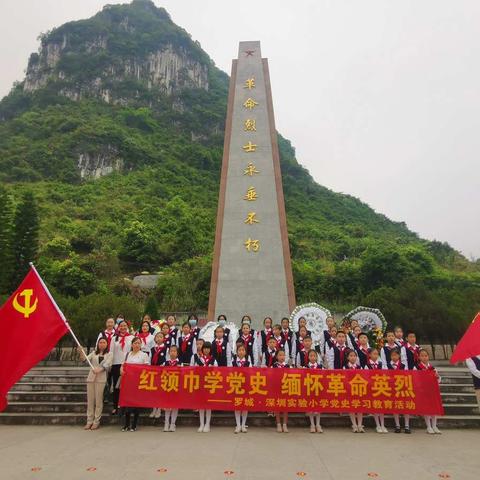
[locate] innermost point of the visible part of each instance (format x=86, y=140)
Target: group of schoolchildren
x=275, y=346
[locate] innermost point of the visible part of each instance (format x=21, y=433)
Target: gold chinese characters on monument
x=250, y=125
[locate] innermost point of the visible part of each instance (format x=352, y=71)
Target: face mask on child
x=192, y=322
x=222, y=323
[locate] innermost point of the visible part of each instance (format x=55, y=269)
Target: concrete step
x=48, y=378
x=461, y=408
x=456, y=387
x=45, y=407
x=41, y=396
x=457, y=397
x=50, y=386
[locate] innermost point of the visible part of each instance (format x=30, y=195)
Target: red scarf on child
x=143, y=336
x=158, y=350
x=123, y=337
x=185, y=340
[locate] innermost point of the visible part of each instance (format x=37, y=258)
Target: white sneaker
x=206, y=428
x=244, y=429
x=200, y=429
x=279, y=427
x=173, y=428
x=237, y=429
x=312, y=429
x=319, y=429
x=436, y=430
x=384, y=430
x=285, y=429
x=430, y=430
x=166, y=428
x=158, y=413
x=361, y=429
x=354, y=429
x=379, y=429
x=153, y=413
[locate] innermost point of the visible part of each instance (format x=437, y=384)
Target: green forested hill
x=129, y=91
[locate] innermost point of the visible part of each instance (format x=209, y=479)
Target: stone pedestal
x=251, y=271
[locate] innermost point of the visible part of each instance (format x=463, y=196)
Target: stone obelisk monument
x=251, y=272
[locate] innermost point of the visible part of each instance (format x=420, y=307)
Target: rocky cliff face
x=168, y=69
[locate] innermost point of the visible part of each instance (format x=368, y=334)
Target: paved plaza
x=67, y=452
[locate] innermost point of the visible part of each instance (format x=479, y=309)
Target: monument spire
x=251, y=271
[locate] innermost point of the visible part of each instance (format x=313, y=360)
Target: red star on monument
x=249, y=53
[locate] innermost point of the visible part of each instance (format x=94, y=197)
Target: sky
x=381, y=99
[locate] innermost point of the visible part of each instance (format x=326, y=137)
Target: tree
x=151, y=308
x=25, y=236
x=6, y=241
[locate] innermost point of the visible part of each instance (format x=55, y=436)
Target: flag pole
x=61, y=314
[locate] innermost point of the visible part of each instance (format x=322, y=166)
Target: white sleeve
x=403, y=356
x=297, y=360
x=350, y=342
x=263, y=362
x=287, y=350
x=384, y=359
x=472, y=367
x=229, y=355
x=146, y=359
x=330, y=355
x=256, y=353
x=192, y=361
x=293, y=353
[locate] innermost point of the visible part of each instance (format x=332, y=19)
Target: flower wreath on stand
x=371, y=321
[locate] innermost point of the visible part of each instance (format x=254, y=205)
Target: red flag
x=469, y=344
x=31, y=325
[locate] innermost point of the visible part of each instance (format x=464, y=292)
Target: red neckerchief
x=350, y=367
x=123, y=338
x=396, y=365
x=109, y=336
x=219, y=346
x=422, y=366
x=414, y=349
x=373, y=364
x=173, y=363
x=268, y=334
x=305, y=357
x=286, y=335
x=206, y=360
x=281, y=365
x=401, y=341
x=312, y=365
x=246, y=339
x=365, y=351
x=341, y=349
x=391, y=347
x=241, y=362
x=158, y=350
x=279, y=342
x=143, y=336
x=185, y=340
x=271, y=357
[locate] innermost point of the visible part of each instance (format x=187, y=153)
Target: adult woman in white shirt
x=101, y=360
x=136, y=357
x=120, y=346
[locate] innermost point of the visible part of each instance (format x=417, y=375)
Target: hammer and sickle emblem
x=27, y=308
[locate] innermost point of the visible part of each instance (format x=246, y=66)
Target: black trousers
x=116, y=391
x=131, y=413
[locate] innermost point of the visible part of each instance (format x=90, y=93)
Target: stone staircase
x=56, y=395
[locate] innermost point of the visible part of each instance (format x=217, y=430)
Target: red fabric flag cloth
x=469, y=344
x=31, y=325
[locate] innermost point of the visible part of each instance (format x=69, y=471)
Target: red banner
x=277, y=389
